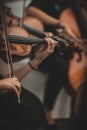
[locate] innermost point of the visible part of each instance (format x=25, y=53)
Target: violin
x=74, y=18
x=15, y=21
x=16, y=49
x=25, y=48
x=21, y=40
x=15, y=27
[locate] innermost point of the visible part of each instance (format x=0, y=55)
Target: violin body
x=33, y=22
x=13, y=28
x=77, y=69
x=18, y=51
x=22, y=49
x=14, y=21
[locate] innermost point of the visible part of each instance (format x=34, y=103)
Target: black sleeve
x=38, y=3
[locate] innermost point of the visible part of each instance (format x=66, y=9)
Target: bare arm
x=49, y=20
x=42, y=53
x=24, y=70
x=42, y=16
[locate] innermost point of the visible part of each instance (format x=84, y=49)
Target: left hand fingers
x=41, y=48
x=48, y=34
x=51, y=44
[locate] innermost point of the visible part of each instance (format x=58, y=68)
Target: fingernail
x=19, y=101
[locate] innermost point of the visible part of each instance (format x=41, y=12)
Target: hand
x=66, y=29
x=10, y=84
x=48, y=34
x=43, y=51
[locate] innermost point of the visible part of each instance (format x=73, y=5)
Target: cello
x=74, y=18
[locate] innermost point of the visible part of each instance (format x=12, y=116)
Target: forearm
x=24, y=70
x=43, y=17
x=41, y=54
x=21, y=72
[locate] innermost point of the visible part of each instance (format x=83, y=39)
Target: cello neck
x=82, y=23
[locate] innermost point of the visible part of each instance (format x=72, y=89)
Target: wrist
x=60, y=25
x=57, y=23
x=32, y=65
x=37, y=60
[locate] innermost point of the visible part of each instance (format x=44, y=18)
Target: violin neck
x=23, y=40
x=34, y=31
